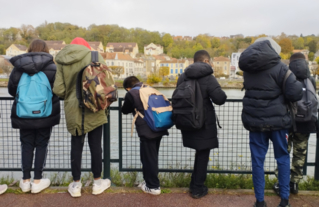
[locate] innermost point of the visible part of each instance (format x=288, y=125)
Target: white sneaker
x=43, y=184
x=75, y=189
x=25, y=187
x=3, y=188
x=98, y=189
x=145, y=189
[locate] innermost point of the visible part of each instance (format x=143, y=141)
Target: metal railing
x=232, y=156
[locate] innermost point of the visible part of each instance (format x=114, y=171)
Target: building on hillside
x=55, y=46
x=122, y=47
x=316, y=55
x=150, y=65
x=153, y=49
x=139, y=68
x=159, y=58
x=97, y=46
x=16, y=49
x=305, y=52
x=120, y=59
x=190, y=61
x=237, y=36
x=232, y=71
x=187, y=38
x=176, y=66
x=221, y=65
x=234, y=63
x=313, y=66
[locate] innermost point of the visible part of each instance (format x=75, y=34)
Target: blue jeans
x=259, y=142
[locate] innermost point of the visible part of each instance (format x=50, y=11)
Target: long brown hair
x=38, y=46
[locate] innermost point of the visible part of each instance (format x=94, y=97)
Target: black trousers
x=95, y=142
x=31, y=139
x=149, y=157
x=199, y=172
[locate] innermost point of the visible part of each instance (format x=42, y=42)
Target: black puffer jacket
x=300, y=68
x=32, y=63
x=264, y=107
x=133, y=101
x=205, y=138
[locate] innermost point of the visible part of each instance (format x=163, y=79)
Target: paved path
x=127, y=199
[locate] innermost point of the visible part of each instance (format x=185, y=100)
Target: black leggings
x=95, y=138
x=34, y=139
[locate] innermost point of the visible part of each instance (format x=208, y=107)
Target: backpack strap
x=95, y=56
x=137, y=113
x=289, y=104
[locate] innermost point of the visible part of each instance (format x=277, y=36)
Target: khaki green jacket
x=70, y=60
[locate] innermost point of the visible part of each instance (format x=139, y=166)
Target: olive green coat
x=70, y=60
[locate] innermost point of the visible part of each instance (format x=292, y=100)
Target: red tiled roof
x=221, y=58
x=121, y=44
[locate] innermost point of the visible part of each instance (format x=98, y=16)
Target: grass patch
x=171, y=180
x=4, y=79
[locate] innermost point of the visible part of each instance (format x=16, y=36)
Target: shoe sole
x=152, y=193
x=74, y=195
x=101, y=191
x=1, y=192
x=38, y=191
x=198, y=196
x=25, y=191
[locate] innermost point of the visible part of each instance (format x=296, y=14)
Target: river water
x=233, y=152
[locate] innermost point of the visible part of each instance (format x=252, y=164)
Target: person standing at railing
x=298, y=140
x=70, y=60
x=149, y=140
x=204, y=138
x=34, y=132
x=264, y=113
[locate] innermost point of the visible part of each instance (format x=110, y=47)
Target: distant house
x=305, y=52
x=123, y=47
x=16, y=49
x=153, y=49
x=188, y=38
x=97, y=46
x=237, y=36
x=176, y=66
x=55, y=46
x=316, y=55
x=120, y=59
x=222, y=65
x=177, y=37
x=139, y=68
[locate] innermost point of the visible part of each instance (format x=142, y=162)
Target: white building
x=119, y=59
x=234, y=60
x=153, y=49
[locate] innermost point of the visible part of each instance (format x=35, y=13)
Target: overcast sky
x=178, y=17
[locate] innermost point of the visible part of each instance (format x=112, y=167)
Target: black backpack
x=188, y=106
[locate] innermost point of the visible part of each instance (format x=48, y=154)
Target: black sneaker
x=260, y=204
x=284, y=203
x=293, y=188
x=199, y=194
x=276, y=188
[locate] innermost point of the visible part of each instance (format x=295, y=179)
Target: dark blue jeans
x=259, y=142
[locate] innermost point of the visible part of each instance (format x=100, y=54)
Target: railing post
x=317, y=156
x=107, y=147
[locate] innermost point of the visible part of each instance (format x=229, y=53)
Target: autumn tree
x=215, y=42
x=163, y=71
x=167, y=40
x=5, y=67
x=312, y=46
x=286, y=45
x=117, y=70
x=299, y=43
x=204, y=40
x=311, y=56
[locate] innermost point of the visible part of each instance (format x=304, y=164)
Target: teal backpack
x=34, y=96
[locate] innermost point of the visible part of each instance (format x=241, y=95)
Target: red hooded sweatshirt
x=80, y=41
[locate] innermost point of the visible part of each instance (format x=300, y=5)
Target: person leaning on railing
x=265, y=114
x=34, y=132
